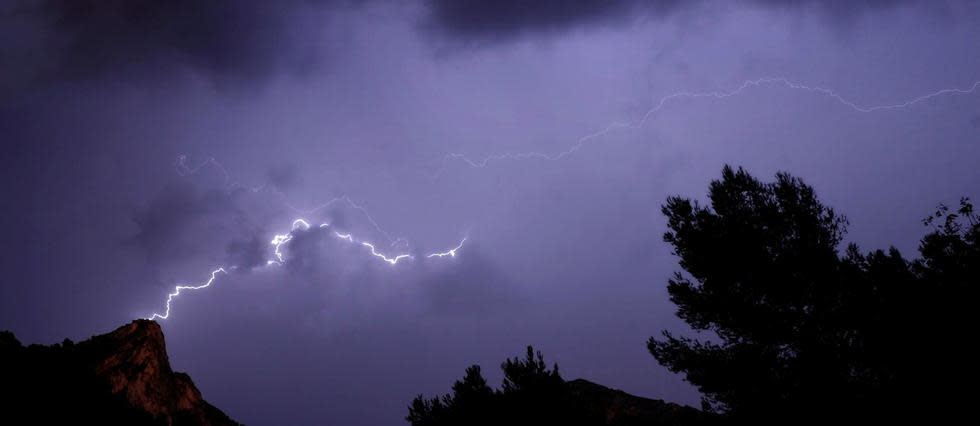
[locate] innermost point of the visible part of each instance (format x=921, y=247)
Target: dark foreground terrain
x=534, y=394
x=124, y=378
x=120, y=378
x=615, y=407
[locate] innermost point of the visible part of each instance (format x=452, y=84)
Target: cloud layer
x=237, y=43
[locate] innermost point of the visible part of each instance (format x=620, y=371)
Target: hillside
x=119, y=378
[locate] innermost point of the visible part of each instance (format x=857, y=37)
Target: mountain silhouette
x=119, y=378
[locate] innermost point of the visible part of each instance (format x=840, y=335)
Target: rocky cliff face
x=123, y=377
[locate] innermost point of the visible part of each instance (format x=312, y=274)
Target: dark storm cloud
x=223, y=39
x=489, y=21
x=843, y=7
x=240, y=42
x=477, y=19
x=177, y=221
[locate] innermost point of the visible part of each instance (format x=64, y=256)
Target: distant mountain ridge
x=119, y=378
x=615, y=407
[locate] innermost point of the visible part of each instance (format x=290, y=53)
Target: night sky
x=146, y=143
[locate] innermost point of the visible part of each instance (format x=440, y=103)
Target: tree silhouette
x=470, y=403
x=531, y=395
x=805, y=333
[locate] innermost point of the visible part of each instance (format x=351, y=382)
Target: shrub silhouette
x=804, y=333
x=531, y=394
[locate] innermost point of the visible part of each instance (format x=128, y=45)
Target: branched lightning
x=298, y=225
x=280, y=240
x=660, y=104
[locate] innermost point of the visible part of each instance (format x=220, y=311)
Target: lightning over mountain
x=278, y=241
x=298, y=225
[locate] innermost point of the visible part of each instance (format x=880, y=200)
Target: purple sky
x=313, y=100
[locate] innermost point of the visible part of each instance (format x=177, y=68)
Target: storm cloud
x=356, y=114
x=232, y=43
x=488, y=22
x=238, y=43
x=181, y=219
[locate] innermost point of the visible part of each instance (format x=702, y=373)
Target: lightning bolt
x=451, y=252
x=279, y=240
x=172, y=296
x=300, y=224
x=659, y=105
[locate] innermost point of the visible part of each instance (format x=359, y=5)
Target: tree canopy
x=790, y=327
